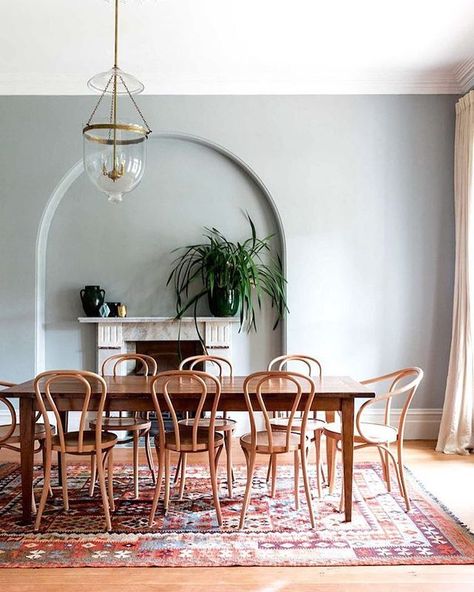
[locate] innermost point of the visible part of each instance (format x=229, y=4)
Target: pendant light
x=115, y=152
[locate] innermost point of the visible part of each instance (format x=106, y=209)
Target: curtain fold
x=456, y=435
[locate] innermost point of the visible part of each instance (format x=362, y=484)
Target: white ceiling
x=241, y=47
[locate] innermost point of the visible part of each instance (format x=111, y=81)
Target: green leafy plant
x=247, y=267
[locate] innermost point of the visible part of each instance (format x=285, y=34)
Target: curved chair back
x=218, y=361
x=6, y=430
x=311, y=365
x=402, y=385
x=200, y=390
x=147, y=363
x=262, y=385
x=55, y=383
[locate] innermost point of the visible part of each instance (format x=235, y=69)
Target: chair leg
x=46, y=488
x=269, y=470
x=401, y=473
x=167, y=480
x=103, y=492
x=64, y=481
x=317, y=445
x=184, y=459
x=159, y=480
x=307, y=489
x=248, y=488
x=178, y=469
x=43, y=454
x=274, y=474
x=149, y=457
x=33, y=501
x=387, y=469
x=215, y=488
x=296, y=456
x=135, y=463
x=332, y=464
x=228, y=452
x=93, y=474
x=110, y=478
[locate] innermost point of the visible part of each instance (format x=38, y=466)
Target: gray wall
x=363, y=185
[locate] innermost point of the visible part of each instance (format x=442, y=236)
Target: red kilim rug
x=381, y=532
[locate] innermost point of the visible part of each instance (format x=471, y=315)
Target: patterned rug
x=381, y=533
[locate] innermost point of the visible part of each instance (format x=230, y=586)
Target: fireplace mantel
x=119, y=335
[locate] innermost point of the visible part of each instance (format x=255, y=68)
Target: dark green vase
x=224, y=302
x=92, y=299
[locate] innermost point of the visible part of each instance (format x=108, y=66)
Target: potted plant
x=234, y=276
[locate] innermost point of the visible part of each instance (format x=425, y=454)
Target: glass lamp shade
x=126, y=84
x=114, y=157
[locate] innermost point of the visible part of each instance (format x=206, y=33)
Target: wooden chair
x=314, y=425
x=222, y=424
x=166, y=389
x=139, y=424
x=81, y=442
x=382, y=435
x=257, y=387
x=10, y=432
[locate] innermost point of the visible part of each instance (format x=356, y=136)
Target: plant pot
x=224, y=302
x=92, y=299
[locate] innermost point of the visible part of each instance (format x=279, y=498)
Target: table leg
x=64, y=419
x=330, y=448
x=27, y=426
x=348, y=453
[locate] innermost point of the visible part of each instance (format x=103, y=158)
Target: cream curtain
x=456, y=434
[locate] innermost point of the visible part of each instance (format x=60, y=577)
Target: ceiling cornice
x=456, y=81
x=464, y=73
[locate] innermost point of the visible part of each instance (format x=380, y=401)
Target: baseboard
x=421, y=424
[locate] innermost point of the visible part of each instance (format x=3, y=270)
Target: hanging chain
x=100, y=100
x=136, y=106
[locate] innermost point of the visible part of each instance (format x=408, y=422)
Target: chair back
x=218, y=361
x=402, y=386
x=55, y=383
x=264, y=385
x=7, y=429
x=200, y=390
x=311, y=365
x=147, y=363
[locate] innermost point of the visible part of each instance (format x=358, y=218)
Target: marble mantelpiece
x=119, y=335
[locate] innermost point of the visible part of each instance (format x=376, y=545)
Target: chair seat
x=128, y=424
x=40, y=433
x=220, y=424
x=279, y=442
x=72, y=441
x=374, y=431
x=312, y=425
x=186, y=440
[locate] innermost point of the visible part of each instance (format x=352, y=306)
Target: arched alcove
x=190, y=182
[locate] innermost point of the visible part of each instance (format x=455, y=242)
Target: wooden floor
x=353, y=579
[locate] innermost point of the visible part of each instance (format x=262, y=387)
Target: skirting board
x=421, y=424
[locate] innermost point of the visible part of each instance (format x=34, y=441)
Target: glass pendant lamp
x=115, y=152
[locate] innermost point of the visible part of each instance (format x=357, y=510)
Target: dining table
x=132, y=393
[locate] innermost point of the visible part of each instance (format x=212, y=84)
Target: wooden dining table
x=131, y=393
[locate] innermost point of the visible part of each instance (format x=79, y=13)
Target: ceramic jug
x=92, y=299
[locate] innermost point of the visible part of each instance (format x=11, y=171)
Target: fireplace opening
x=168, y=354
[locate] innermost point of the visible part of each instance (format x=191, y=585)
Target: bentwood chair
x=261, y=386
x=80, y=442
x=200, y=390
x=314, y=425
x=138, y=425
x=402, y=385
x=222, y=424
x=10, y=432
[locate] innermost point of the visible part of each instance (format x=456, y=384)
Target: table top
x=122, y=386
